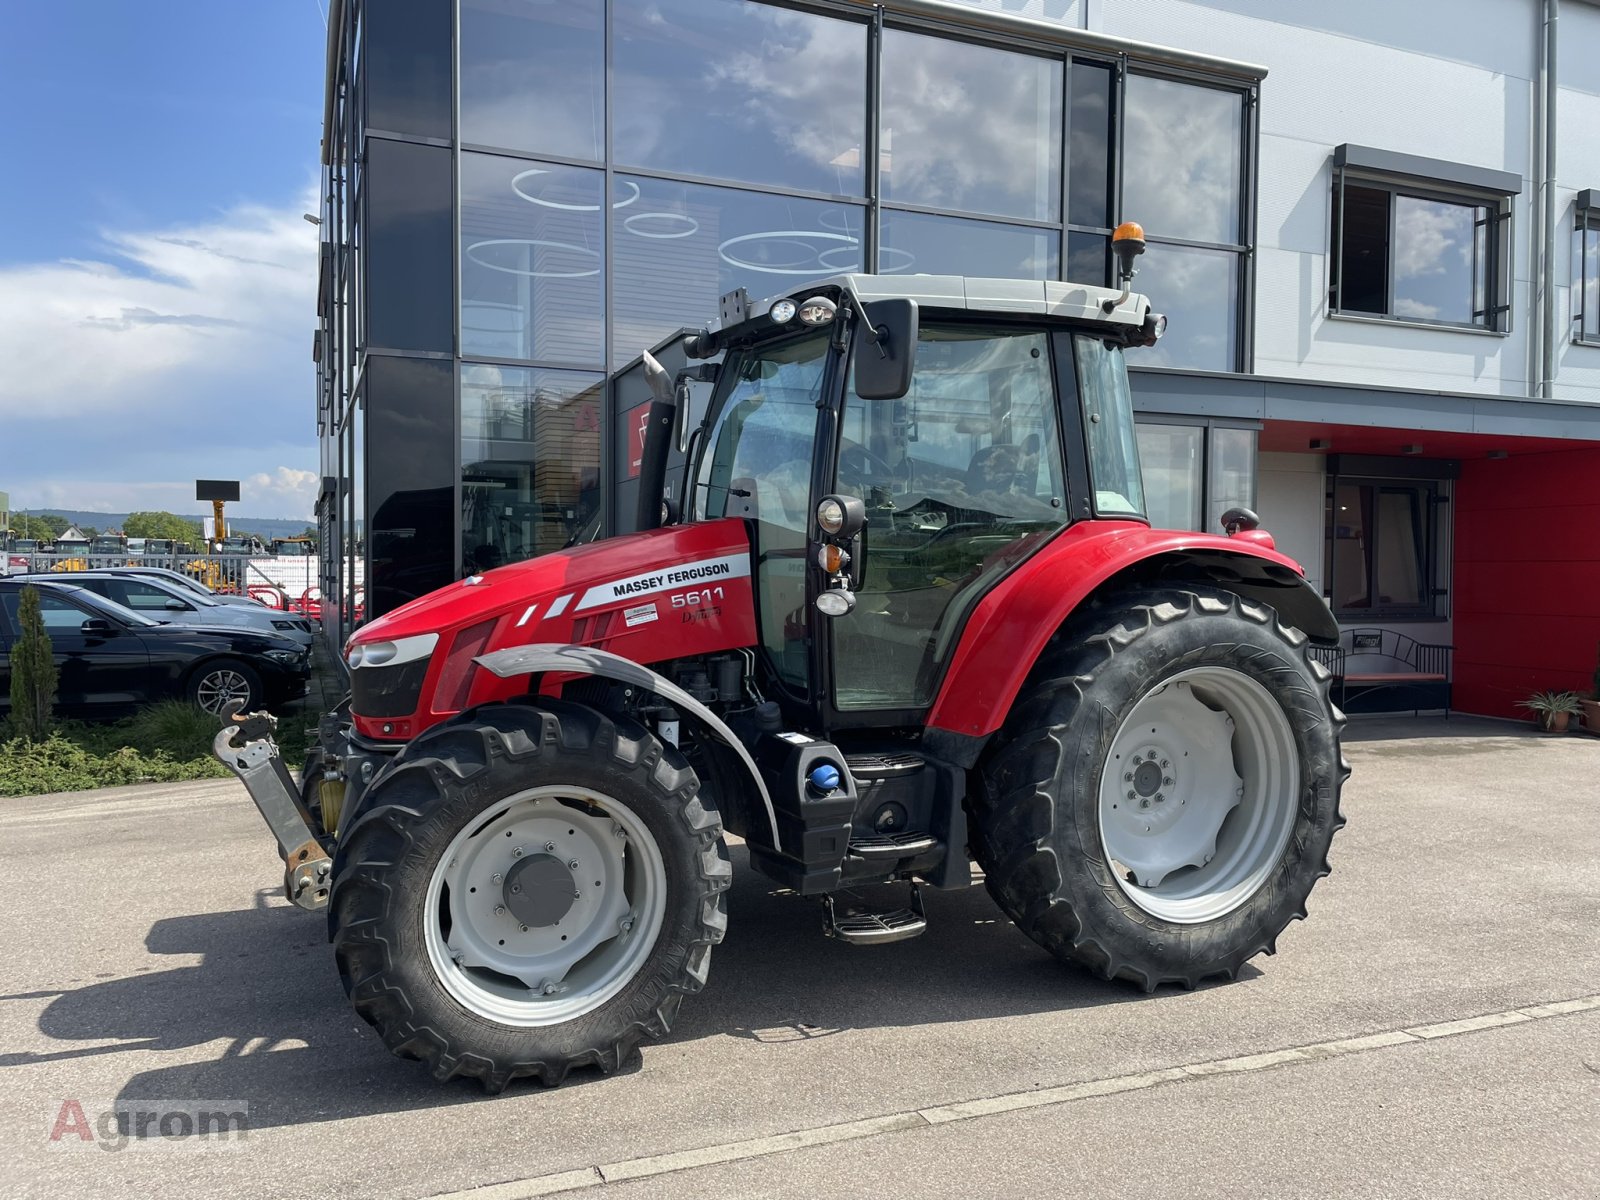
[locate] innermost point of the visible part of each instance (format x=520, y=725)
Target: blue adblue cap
x=825, y=778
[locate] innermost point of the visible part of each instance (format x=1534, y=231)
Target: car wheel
x=224, y=686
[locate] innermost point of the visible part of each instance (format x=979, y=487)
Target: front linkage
x=244, y=745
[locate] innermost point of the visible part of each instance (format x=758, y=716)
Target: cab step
x=875, y=928
x=891, y=846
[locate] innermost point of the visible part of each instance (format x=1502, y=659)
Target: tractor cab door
x=757, y=464
x=962, y=479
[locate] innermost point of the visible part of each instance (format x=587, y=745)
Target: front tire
x=1163, y=800
x=527, y=889
x=225, y=686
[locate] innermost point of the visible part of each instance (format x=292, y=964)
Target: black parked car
x=111, y=657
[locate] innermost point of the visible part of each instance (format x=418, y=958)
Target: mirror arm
x=873, y=331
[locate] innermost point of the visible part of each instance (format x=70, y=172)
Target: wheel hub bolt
x=1144, y=804
x=1166, y=781
x=573, y=865
x=1133, y=795
x=1159, y=797
x=524, y=928
x=495, y=878
x=549, y=847
x=499, y=910
x=516, y=852
x=1127, y=777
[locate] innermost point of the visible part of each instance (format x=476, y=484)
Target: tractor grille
x=387, y=691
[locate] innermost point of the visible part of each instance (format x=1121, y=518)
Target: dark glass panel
x=1089, y=259
x=532, y=271
x=970, y=127
x=409, y=284
x=928, y=245
x=407, y=66
x=1361, y=227
x=530, y=461
x=741, y=91
x=410, y=528
x=1198, y=290
x=679, y=246
x=1233, y=474
x=1183, y=146
x=533, y=76
x=1089, y=148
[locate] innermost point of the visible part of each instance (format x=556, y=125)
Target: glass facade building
x=521, y=196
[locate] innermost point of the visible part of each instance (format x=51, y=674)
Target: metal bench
x=1421, y=668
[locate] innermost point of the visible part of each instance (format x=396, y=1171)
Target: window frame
x=1209, y=427
x=1585, y=225
x=1432, y=497
x=1498, y=270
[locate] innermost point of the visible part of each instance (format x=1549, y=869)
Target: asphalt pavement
x=1432, y=1030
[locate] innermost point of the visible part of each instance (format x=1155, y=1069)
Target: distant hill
x=264, y=527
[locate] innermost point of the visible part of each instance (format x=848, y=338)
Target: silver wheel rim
x=218, y=691
x=1198, y=795
x=540, y=955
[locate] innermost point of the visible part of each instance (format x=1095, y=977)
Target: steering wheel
x=858, y=465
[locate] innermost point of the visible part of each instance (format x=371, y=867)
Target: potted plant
x=1553, y=709
x=1591, y=706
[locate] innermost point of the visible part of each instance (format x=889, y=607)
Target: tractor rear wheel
x=1163, y=800
x=527, y=889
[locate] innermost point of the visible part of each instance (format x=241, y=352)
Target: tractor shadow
x=297, y=1054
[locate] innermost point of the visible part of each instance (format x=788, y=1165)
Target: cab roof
x=1076, y=302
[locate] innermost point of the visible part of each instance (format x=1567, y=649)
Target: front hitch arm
x=246, y=748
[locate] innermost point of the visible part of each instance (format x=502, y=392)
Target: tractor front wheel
x=528, y=889
x=1163, y=801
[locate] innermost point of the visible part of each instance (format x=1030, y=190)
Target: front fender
x=540, y=657
x=1010, y=626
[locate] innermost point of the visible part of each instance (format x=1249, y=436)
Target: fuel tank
x=667, y=593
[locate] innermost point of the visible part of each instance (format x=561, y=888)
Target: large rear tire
x=1161, y=802
x=527, y=889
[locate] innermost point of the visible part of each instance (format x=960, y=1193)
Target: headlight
x=283, y=625
x=830, y=515
x=288, y=658
x=782, y=311
x=401, y=650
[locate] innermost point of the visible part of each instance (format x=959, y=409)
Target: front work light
x=818, y=310
x=836, y=602
x=841, y=516
x=782, y=311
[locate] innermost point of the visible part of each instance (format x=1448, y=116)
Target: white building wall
x=1577, y=168
x=1446, y=79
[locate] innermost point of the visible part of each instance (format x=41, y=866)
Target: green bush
x=173, y=727
x=33, y=671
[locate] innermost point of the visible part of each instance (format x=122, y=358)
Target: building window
x=533, y=76
x=741, y=91
x=530, y=461
x=1194, y=471
x=532, y=260
x=1586, y=268
x=1381, y=547
x=1420, y=241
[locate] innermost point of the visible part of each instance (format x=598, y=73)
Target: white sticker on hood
x=639, y=614
x=706, y=570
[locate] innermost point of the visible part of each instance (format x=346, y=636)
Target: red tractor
x=911, y=614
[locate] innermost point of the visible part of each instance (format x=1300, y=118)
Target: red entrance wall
x=1527, y=578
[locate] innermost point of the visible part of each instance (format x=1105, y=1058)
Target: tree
x=43, y=528
x=33, y=671
x=162, y=525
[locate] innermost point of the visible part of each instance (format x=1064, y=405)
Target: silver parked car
x=163, y=601
x=187, y=582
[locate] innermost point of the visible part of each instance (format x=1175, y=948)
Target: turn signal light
x=832, y=559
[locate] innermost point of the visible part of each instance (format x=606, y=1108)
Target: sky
x=157, y=280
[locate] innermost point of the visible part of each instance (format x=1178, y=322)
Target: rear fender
x=1010, y=627
x=540, y=658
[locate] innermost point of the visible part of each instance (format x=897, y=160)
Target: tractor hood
x=666, y=593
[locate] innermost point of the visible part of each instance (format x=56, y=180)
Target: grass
x=163, y=743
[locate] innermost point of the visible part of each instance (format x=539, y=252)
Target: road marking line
x=966, y=1110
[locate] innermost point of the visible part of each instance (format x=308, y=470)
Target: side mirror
x=886, y=349
x=98, y=627
x=173, y=604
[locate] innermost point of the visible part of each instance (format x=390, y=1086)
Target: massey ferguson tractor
x=906, y=614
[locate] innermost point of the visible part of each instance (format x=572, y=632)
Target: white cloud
x=173, y=353
x=285, y=490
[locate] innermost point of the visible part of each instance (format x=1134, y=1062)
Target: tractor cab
x=894, y=456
